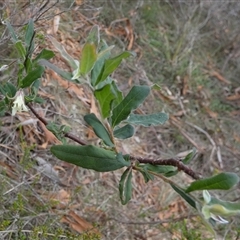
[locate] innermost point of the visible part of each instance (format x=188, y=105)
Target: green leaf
x=21, y=50
x=142, y=168
x=32, y=76
x=185, y=196
x=28, y=64
x=189, y=157
x=105, y=97
x=134, y=98
x=98, y=66
x=148, y=120
x=110, y=66
x=88, y=58
x=118, y=95
x=29, y=37
x=99, y=129
x=162, y=169
x=3, y=108
x=124, y=159
x=12, y=32
x=155, y=86
x=59, y=71
x=8, y=89
x=125, y=186
x=222, y=181
x=89, y=157
x=45, y=54
x=72, y=63
x=29, y=33
x=171, y=173
x=124, y=132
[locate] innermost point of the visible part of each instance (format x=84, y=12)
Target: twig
x=67, y=135
x=169, y=162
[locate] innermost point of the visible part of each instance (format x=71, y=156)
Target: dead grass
x=193, y=55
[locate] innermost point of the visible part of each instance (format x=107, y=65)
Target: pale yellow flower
x=19, y=103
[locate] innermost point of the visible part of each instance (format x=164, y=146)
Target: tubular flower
x=19, y=103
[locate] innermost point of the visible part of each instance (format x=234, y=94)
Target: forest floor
x=191, y=51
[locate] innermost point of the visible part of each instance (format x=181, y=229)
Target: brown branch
x=67, y=135
x=171, y=162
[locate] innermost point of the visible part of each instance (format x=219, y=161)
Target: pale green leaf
x=94, y=36
x=124, y=132
x=59, y=71
x=148, y=120
x=88, y=58
x=63, y=53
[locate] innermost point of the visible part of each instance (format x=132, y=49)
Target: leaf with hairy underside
x=90, y=157
x=63, y=52
x=148, y=120
x=133, y=99
x=99, y=129
x=222, y=181
x=59, y=71
x=125, y=186
x=223, y=208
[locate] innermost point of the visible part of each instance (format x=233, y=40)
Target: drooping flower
x=19, y=103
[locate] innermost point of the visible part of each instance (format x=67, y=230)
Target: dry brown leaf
x=49, y=136
x=176, y=208
x=79, y=2
x=236, y=138
x=185, y=85
x=62, y=197
x=71, y=88
x=233, y=97
x=78, y=224
x=210, y=112
x=130, y=34
x=219, y=77
x=46, y=95
x=56, y=21
x=9, y=170
x=33, y=135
